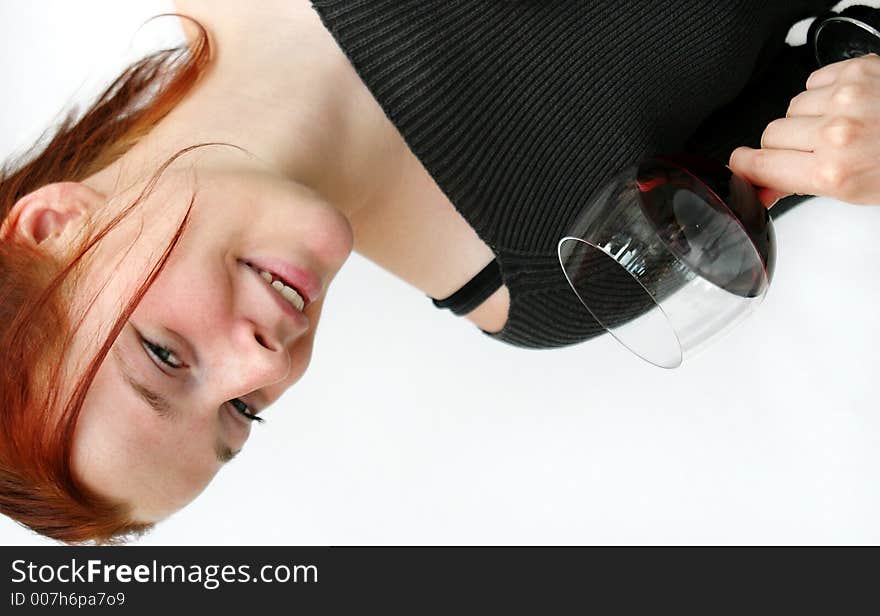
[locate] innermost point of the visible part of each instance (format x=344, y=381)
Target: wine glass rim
x=680, y=353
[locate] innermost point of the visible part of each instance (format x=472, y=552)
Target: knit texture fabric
x=521, y=109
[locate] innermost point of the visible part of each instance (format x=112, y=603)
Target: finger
x=769, y=197
x=791, y=134
x=785, y=171
x=829, y=73
x=810, y=102
x=826, y=75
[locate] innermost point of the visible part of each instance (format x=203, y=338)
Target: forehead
x=123, y=450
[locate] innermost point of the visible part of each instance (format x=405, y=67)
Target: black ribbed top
x=521, y=109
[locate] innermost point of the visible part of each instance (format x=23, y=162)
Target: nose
x=247, y=359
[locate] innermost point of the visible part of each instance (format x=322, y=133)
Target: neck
x=289, y=96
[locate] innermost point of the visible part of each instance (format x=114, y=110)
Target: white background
x=412, y=427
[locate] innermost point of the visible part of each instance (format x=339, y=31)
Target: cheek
x=182, y=284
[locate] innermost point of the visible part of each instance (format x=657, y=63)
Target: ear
x=50, y=211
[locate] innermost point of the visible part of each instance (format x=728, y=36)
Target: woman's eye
x=164, y=355
x=239, y=405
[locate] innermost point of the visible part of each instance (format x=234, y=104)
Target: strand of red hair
x=37, y=487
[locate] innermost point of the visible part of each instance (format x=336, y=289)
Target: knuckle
x=832, y=176
x=840, y=131
x=847, y=94
x=856, y=67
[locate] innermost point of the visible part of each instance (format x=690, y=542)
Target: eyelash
x=162, y=354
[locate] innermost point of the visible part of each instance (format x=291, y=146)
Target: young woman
x=166, y=256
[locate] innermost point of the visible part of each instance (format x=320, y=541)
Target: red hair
x=37, y=486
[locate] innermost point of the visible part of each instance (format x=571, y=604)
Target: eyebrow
x=162, y=406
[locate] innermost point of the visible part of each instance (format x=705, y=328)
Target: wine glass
x=670, y=254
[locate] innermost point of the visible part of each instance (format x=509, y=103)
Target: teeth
x=293, y=297
x=286, y=292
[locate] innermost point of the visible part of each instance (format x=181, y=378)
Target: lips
x=285, y=306
x=304, y=281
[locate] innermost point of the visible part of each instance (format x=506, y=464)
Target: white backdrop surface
x=411, y=427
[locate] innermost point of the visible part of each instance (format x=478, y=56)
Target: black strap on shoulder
x=475, y=292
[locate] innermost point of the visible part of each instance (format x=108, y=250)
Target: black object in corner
x=853, y=32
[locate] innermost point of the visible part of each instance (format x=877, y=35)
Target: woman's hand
x=827, y=144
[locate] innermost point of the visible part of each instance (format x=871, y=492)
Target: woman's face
x=153, y=434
